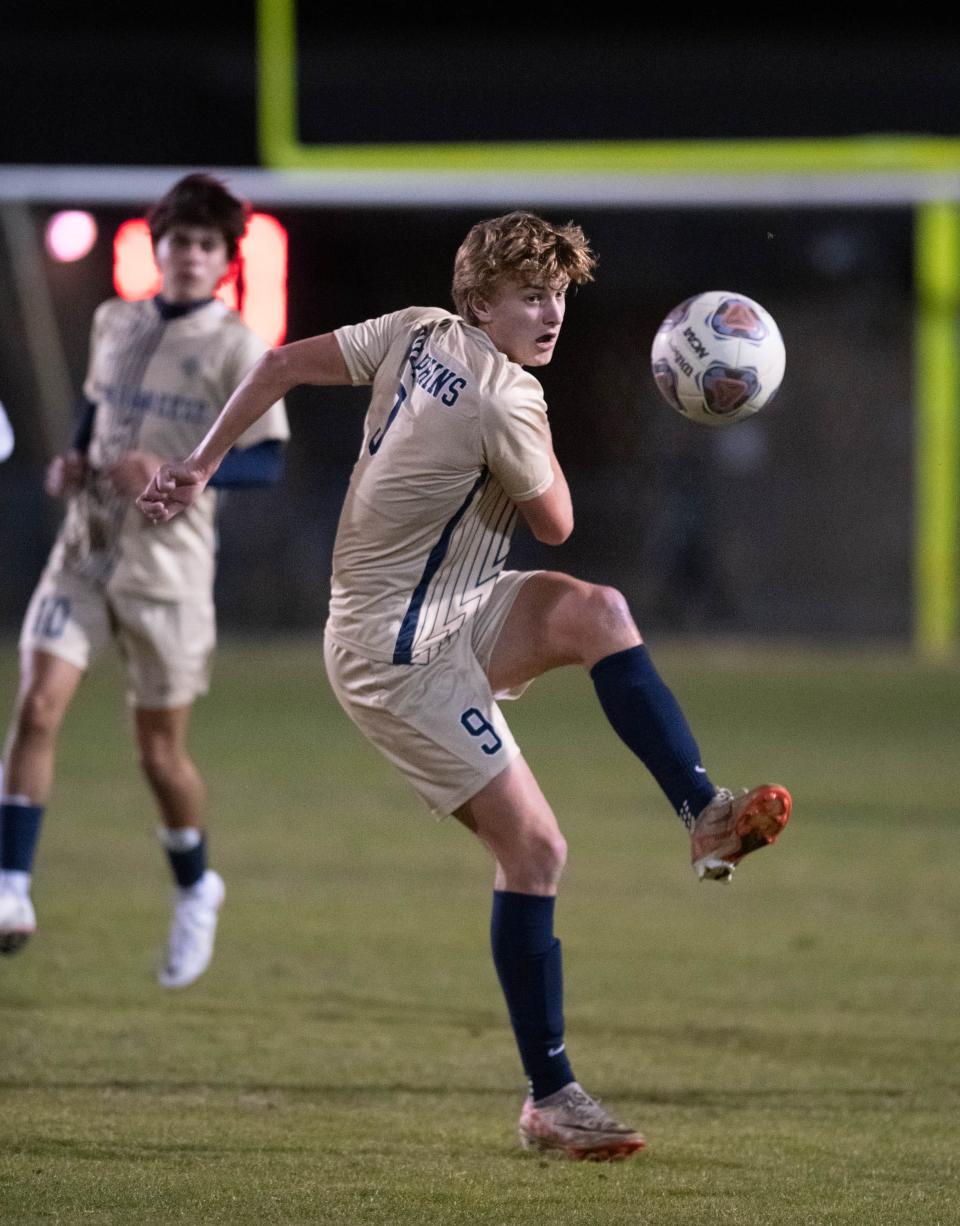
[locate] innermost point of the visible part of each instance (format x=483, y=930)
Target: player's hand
x=172, y=488
x=132, y=472
x=65, y=474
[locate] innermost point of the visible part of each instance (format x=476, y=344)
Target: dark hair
x=200, y=200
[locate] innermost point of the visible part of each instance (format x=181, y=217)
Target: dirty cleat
x=571, y=1124
x=17, y=920
x=731, y=826
x=192, y=931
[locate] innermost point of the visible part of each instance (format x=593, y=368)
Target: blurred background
x=798, y=523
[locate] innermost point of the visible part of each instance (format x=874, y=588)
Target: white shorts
x=438, y=723
x=166, y=644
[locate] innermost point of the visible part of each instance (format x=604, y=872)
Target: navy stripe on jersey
x=480, y=554
x=403, y=650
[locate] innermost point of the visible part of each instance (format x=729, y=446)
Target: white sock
x=16, y=881
x=184, y=838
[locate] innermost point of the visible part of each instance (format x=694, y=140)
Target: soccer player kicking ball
x=427, y=630
x=159, y=373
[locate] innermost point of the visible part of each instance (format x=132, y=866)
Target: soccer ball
x=718, y=357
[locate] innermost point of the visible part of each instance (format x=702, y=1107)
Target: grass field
x=790, y=1044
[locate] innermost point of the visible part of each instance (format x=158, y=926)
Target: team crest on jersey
x=190, y=367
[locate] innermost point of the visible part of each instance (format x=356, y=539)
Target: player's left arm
x=549, y=515
x=517, y=447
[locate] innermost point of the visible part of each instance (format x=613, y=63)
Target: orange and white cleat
x=571, y=1124
x=731, y=826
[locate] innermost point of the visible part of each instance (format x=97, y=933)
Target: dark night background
x=733, y=531
x=113, y=84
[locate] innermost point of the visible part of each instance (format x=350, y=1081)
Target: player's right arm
x=65, y=472
x=318, y=361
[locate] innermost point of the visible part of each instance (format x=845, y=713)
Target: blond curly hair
x=523, y=246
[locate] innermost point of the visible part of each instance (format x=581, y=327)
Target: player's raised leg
x=511, y=816
x=47, y=685
x=557, y=620
x=181, y=795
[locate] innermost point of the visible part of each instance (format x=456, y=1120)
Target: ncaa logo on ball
x=718, y=357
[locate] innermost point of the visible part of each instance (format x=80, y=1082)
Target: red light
x=256, y=286
x=263, y=258
x=135, y=274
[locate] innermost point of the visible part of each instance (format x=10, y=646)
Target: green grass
x=790, y=1044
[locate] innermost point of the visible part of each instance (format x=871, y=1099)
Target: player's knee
x=611, y=606
x=558, y=852
x=160, y=760
x=606, y=623
x=39, y=715
x=545, y=854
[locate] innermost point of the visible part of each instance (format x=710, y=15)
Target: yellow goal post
x=922, y=173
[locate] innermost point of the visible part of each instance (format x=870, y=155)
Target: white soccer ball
x=718, y=357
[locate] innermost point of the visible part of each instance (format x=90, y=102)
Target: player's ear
x=479, y=308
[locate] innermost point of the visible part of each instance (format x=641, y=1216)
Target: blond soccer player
x=428, y=631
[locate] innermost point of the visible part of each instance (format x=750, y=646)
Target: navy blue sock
x=529, y=966
x=647, y=718
x=19, y=832
x=186, y=850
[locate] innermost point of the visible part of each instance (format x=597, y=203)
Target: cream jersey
x=158, y=385
x=456, y=434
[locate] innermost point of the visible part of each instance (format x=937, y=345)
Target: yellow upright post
x=937, y=424
x=276, y=82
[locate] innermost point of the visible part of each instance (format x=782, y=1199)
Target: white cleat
x=571, y=1124
x=192, y=931
x=17, y=920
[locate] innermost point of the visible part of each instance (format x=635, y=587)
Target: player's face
x=523, y=320
x=192, y=262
